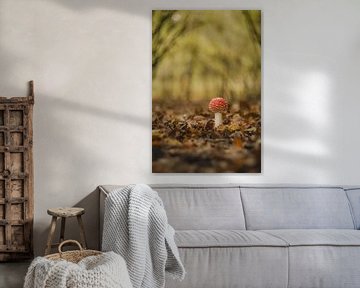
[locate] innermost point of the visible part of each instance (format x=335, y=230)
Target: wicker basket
x=72, y=256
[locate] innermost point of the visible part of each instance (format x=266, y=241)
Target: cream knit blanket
x=136, y=227
x=103, y=271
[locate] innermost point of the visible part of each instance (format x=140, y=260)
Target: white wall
x=91, y=64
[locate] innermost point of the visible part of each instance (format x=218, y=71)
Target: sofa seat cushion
x=226, y=238
x=317, y=237
x=323, y=258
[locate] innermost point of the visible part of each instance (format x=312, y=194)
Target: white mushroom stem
x=218, y=119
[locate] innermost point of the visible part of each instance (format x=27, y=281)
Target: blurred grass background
x=201, y=54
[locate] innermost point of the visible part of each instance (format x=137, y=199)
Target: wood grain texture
x=16, y=177
x=66, y=211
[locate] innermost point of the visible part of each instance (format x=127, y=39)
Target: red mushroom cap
x=218, y=105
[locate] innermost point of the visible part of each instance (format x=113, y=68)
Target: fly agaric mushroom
x=218, y=106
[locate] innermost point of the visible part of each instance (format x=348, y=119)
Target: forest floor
x=184, y=139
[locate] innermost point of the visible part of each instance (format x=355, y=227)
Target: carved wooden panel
x=16, y=177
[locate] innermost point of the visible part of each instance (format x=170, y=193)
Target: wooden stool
x=64, y=213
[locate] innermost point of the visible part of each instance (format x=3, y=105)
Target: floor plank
x=12, y=274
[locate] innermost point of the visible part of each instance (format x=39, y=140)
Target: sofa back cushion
x=296, y=208
x=202, y=207
x=354, y=198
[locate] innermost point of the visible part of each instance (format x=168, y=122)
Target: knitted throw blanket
x=136, y=227
x=103, y=271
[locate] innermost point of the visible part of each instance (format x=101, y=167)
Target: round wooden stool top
x=66, y=211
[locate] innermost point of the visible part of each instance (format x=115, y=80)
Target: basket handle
x=69, y=241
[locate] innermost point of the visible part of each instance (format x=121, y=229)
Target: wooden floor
x=12, y=274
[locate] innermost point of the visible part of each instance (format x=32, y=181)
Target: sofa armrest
x=103, y=195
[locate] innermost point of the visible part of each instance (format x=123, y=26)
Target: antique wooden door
x=16, y=177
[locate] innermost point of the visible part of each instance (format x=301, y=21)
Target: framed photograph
x=206, y=91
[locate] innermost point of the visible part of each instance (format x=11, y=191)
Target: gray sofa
x=256, y=236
